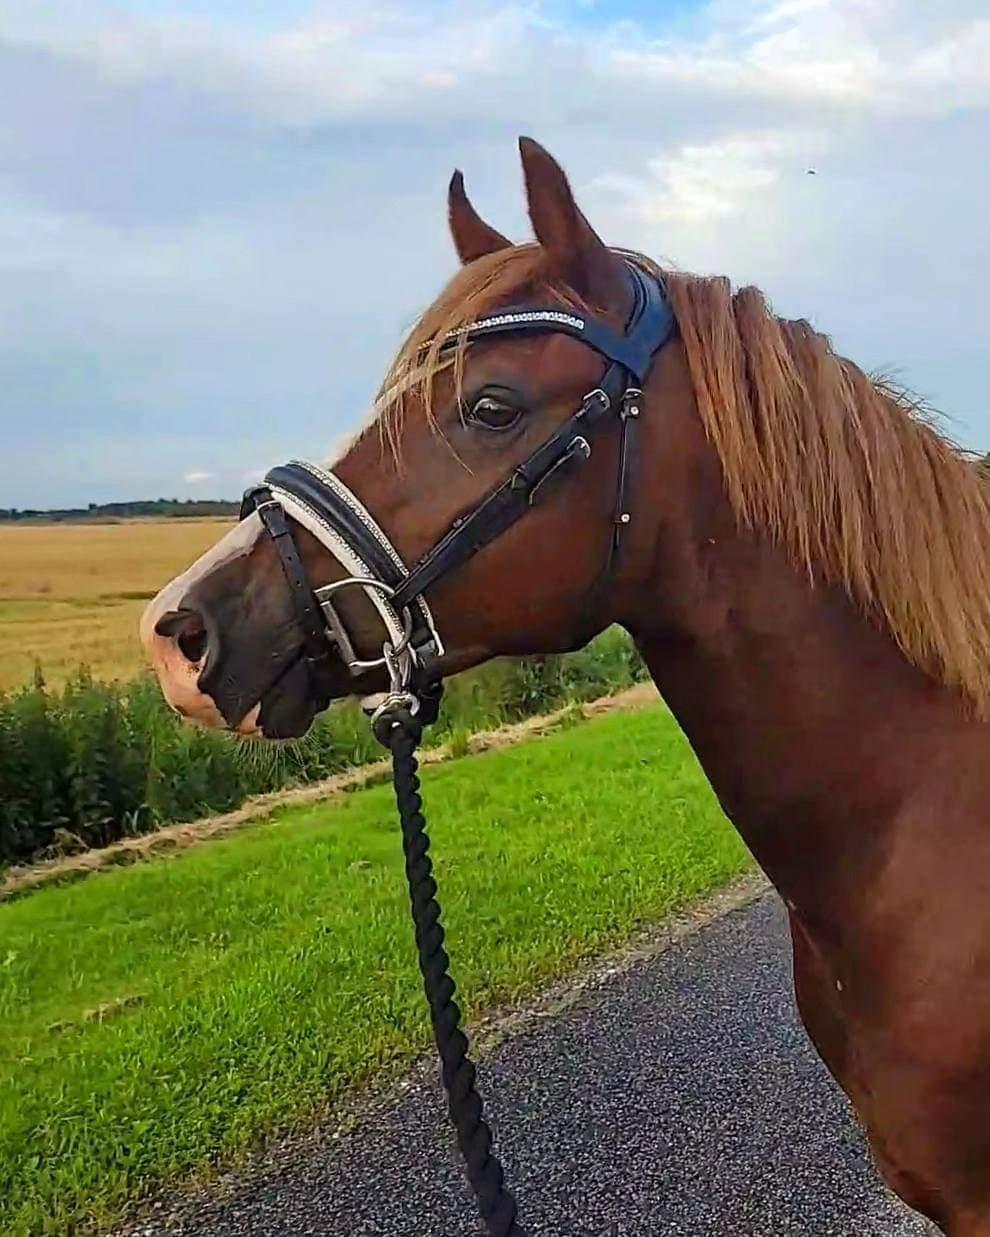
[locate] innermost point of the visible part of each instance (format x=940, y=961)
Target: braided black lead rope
x=400, y=731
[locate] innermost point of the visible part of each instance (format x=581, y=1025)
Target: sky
x=217, y=218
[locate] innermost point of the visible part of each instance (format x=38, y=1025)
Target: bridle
x=320, y=502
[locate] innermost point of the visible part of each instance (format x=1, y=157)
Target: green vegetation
x=157, y=507
x=94, y=762
x=160, y=1017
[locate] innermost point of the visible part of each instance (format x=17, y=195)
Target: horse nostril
x=188, y=631
x=192, y=643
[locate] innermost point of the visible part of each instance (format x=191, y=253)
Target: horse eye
x=493, y=413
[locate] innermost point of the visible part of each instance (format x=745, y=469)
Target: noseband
x=320, y=502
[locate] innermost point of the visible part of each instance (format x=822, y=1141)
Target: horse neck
x=810, y=725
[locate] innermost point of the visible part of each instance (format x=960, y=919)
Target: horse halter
x=320, y=502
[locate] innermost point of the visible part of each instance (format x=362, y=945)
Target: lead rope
x=400, y=729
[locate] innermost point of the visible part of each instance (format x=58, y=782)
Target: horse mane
x=846, y=472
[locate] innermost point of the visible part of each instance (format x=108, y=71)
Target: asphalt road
x=679, y=1097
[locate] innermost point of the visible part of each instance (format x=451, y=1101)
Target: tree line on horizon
x=167, y=507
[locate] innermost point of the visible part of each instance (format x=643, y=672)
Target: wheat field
x=72, y=594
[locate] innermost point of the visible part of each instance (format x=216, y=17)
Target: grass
x=161, y=1017
x=72, y=594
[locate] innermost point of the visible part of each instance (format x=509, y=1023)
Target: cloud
x=197, y=475
x=213, y=233
x=699, y=184
x=388, y=62
x=855, y=55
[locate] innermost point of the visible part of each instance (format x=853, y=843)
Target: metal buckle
x=596, y=396
x=630, y=402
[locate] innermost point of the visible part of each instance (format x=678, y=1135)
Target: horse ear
x=473, y=238
x=576, y=252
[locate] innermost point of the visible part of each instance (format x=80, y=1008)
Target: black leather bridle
x=320, y=502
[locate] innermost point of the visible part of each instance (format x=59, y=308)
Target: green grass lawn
x=158, y=1018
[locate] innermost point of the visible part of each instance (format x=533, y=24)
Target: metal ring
x=396, y=700
x=364, y=581
x=327, y=590
x=398, y=666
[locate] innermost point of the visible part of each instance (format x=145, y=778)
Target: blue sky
x=217, y=217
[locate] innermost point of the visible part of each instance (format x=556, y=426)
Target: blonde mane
x=848, y=474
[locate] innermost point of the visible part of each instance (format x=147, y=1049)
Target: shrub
x=97, y=761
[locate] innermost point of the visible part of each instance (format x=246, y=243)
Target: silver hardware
x=630, y=401
x=521, y=317
x=399, y=667
x=398, y=695
x=338, y=631
x=597, y=396
x=350, y=581
x=625, y=517
x=396, y=700
x=375, y=664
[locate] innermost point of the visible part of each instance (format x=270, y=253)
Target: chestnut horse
x=806, y=573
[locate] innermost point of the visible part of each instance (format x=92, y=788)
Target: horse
x=799, y=554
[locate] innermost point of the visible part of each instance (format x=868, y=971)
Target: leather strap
x=570, y=445
x=311, y=624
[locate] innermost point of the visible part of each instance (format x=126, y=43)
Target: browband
x=633, y=351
